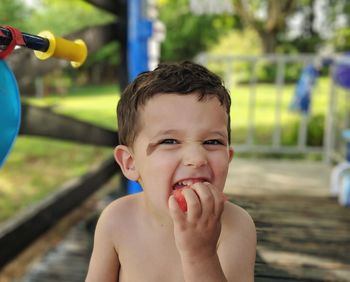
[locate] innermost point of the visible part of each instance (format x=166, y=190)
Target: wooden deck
x=300, y=238
x=303, y=235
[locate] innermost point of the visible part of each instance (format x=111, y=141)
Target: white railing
x=332, y=147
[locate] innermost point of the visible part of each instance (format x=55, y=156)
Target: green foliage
x=267, y=72
x=60, y=17
x=316, y=130
x=342, y=40
x=237, y=42
x=106, y=53
x=64, y=17
x=14, y=13
x=186, y=34
x=247, y=42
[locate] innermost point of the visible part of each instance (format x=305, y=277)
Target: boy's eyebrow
x=173, y=131
x=166, y=132
x=220, y=133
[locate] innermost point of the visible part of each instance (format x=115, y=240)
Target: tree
x=187, y=34
x=65, y=17
x=14, y=13
x=319, y=20
x=267, y=18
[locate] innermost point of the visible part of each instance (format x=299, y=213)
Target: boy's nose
x=195, y=156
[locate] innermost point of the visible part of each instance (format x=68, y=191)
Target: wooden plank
x=44, y=122
x=299, y=238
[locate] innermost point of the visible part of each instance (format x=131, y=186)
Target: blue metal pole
x=139, y=31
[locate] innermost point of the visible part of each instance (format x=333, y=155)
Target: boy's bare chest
x=150, y=259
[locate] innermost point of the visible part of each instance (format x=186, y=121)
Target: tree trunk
x=269, y=41
x=268, y=28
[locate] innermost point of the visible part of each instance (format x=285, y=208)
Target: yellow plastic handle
x=74, y=51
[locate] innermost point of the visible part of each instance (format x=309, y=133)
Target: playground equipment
x=14, y=239
x=145, y=33
x=45, y=46
x=340, y=177
x=342, y=73
x=302, y=98
x=10, y=114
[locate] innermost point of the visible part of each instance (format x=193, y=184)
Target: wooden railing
x=21, y=231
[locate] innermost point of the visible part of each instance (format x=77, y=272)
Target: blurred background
x=281, y=60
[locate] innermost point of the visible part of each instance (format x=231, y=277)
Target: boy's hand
x=197, y=231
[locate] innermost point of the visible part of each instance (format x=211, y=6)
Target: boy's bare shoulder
x=238, y=224
x=236, y=217
x=122, y=203
x=119, y=213
x=238, y=229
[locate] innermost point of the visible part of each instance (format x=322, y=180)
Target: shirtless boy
x=174, y=131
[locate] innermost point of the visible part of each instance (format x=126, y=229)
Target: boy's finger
x=206, y=198
x=194, y=208
x=175, y=212
x=220, y=199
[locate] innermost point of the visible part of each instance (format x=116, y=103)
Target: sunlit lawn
x=95, y=104
x=264, y=114
x=37, y=166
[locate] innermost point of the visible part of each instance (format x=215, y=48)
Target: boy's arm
x=237, y=250
x=104, y=263
x=197, y=234
x=203, y=269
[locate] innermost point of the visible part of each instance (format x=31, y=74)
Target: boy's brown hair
x=184, y=78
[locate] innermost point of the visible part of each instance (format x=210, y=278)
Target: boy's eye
x=169, y=142
x=213, y=142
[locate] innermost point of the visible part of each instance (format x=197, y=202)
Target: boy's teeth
x=187, y=182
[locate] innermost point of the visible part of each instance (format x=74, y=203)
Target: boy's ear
x=231, y=153
x=125, y=159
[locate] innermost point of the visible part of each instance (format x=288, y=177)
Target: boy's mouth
x=188, y=182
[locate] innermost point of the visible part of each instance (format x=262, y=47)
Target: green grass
x=37, y=166
x=265, y=115
x=92, y=104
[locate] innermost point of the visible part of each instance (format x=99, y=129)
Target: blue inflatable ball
x=10, y=110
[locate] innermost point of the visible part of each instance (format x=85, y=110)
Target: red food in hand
x=180, y=199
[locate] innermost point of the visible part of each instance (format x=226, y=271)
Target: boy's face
x=183, y=140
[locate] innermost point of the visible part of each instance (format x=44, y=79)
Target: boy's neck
x=157, y=218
